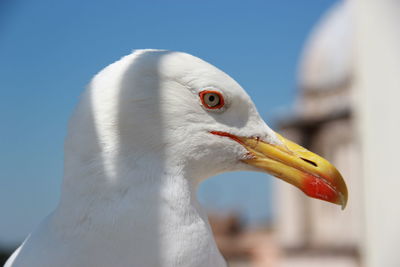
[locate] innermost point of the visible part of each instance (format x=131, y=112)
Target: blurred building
x=377, y=106
x=323, y=121
x=243, y=247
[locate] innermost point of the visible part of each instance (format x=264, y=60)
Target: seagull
x=147, y=131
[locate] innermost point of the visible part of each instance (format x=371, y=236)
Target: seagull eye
x=212, y=99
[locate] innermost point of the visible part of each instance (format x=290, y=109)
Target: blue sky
x=49, y=50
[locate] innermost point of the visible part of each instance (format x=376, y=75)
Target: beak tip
x=342, y=200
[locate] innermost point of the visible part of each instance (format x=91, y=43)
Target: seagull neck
x=147, y=182
x=158, y=207
x=144, y=184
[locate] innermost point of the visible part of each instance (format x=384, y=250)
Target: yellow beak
x=312, y=174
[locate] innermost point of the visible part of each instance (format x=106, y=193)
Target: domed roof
x=327, y=57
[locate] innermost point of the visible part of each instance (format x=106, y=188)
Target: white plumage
x=138, y=145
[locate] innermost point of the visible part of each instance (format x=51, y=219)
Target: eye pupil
x=212, y=100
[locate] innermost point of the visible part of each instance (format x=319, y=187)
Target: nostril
x=310, y=162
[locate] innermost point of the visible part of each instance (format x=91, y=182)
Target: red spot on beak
x=317, y=188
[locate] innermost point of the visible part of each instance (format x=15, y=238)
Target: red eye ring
x=211, y=99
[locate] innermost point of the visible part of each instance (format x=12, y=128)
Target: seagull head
x=171, y=107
